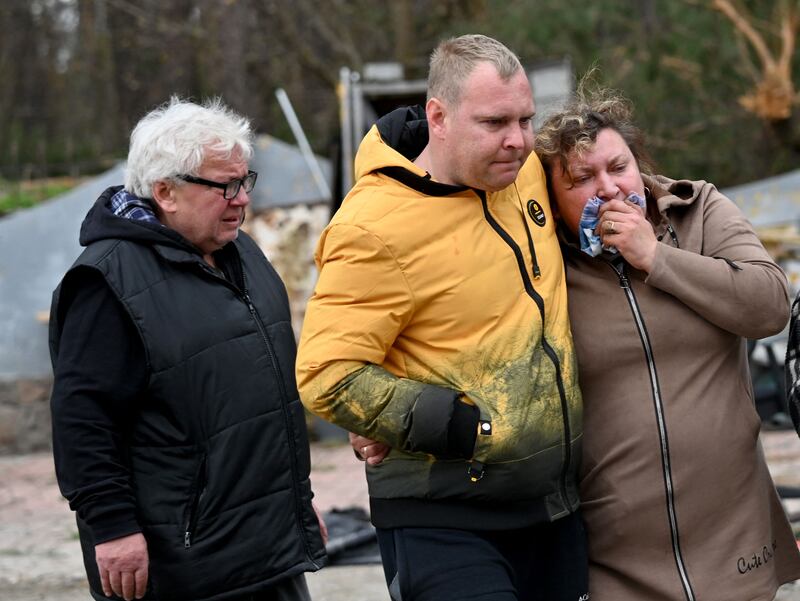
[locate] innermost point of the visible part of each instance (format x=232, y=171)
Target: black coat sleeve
x=100, y=373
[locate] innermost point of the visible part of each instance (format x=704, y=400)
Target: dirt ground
x=40, y=556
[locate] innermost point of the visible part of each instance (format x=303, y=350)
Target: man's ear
x=436, y=112
x=164, y=197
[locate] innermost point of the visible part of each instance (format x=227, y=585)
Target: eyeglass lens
x=232, y=189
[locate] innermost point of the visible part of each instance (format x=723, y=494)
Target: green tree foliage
x=75, y=75
x=680, y=62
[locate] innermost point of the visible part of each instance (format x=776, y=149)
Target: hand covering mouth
x=590, y=241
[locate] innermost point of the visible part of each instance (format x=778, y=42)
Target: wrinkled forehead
x=224, y=159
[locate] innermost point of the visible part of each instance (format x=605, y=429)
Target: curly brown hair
x=574, y=128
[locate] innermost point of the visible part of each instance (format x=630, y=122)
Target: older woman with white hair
x=178, y=435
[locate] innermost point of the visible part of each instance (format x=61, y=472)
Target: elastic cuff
x=463, y=430
x=430, y=420
x=112, y=525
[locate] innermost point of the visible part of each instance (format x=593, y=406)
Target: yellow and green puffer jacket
x=431, y=296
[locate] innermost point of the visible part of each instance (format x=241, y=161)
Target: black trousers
x=546, y=562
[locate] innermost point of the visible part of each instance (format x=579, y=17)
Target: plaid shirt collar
x=126, y=205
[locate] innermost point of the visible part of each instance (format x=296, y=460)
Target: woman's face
x=608, y=170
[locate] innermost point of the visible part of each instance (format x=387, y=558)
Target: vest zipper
x=549, y=351
x=243, y=294
x=198, y=489
x=658, y=405
x=284, y=404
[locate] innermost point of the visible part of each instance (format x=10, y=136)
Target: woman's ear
x=164, y=196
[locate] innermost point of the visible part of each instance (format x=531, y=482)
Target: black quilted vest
x=218, y=452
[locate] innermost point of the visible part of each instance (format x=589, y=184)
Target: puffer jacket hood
x=404, y=131
x=391, y=146
x=101, y=223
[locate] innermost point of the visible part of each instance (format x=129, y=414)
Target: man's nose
x=242, y=198
x=515, y=136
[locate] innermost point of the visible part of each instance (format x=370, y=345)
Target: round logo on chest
x=536, y=212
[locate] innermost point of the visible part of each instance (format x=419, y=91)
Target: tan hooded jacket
x=674, y=486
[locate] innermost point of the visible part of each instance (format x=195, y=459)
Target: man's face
x=607, y=170
x=201, y=214
x=488, y=135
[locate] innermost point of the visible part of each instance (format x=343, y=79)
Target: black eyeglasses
x=231, y=188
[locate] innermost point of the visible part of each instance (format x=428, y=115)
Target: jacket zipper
x=198, y=490
x=537, y=273
x=658, y=404
x=284, y=405
x=549, y=351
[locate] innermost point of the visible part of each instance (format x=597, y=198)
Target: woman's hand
x=371, y=451
x=623, y=224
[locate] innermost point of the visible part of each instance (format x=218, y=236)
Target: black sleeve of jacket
x=99, y=374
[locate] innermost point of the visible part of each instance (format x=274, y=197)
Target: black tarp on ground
x=351, y=537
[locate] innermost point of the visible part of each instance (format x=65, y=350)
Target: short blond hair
x=454, y=59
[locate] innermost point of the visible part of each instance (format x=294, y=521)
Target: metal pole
x=358, y=108
x=302, y=142
x=346, y=121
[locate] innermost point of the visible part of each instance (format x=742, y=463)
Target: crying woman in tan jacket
x=666, y=279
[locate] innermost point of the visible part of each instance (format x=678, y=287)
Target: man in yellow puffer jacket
x=439, y=327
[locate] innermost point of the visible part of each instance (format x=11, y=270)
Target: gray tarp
x=771, y=201
x=37, y=246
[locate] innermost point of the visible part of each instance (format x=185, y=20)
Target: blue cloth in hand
x=590, y=241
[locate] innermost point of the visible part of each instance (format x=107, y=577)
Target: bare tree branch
x=742, y=21
x=773, y=98
x=788, y=36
